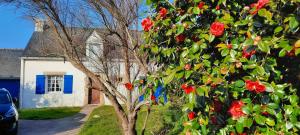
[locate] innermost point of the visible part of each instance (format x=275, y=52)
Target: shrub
x=223, y=55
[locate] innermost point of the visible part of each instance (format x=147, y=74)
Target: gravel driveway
x=65, y=126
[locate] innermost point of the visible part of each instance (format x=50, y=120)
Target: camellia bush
x=222, y=55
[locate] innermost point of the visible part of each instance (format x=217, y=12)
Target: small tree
x=223, y=55
x=117, y=20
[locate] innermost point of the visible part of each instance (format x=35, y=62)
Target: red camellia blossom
x=201, y=4
x=163, y=12
x=218, y=7
x=247, y=54
x=217, y=29
x=189, y=89
x=184, y=86
x=129, y=86
x=236, y=109
x=147, y=24
x=187, y=67
x=180, y=38
x=262, y=3
x=152, y=97
x=257, y=6
x=255, y=86
x=229, y=46
x=191, y=115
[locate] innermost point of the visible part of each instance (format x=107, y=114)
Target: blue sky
x=15, y=30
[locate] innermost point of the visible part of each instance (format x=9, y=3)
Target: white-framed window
x=55, y=83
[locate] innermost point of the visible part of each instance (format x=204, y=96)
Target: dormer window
x=94, y=51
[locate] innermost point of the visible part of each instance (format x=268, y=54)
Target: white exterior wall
x=32, y=67
x=121, y=87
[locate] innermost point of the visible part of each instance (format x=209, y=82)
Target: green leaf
x=239, y=83
x=293, y=23
x=195, y=47
x=297, y=52
x=270, y=122
x=264, y=47
x=180, y=75
x=282, y=53
x=196, y=10
x=273, y=105
x=278, y=29
x=265, y=13
x=169, y=78
x=260, y=119
x=211, y=38
x=257, y=108
x=180, y=29
x=169, y=32
x=154, y=49
x=248, y=122
x=246, y=110
x=239, y=126
x=148, y=2
x=294, y=99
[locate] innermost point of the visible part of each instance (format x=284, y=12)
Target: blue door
x=12, y=85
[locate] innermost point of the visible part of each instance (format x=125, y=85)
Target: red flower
x=189, y=89
x=217, y=106
x=255, y=86
x=217, y=29
x=187, y=67
x=213, y=120
x=218, y=7
x=257, y=6
x=163, y=12
x=262, y=3
x=191, y=115
x=147, y=24
x=152, y=97
x=236, y=109
x=247, y=54
x=180, y=38
x=229, y=46
x=129, y=86
x=184, y=86
x=201, y=4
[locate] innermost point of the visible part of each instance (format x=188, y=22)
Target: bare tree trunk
x=131, y=125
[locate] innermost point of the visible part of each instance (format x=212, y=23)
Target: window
x=55, y=83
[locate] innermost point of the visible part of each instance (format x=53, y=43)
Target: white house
x=48, y=80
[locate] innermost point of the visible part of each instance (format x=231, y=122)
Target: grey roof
x=10, y=63
x=44, y=44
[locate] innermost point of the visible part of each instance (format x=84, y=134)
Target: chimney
x=39, y=25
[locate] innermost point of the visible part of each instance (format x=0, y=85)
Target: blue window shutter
x=68, y=84
x=40, y=84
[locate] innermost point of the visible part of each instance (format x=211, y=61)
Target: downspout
x=22, y=82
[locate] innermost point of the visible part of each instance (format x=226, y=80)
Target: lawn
x=48, y=113
x=103, y=121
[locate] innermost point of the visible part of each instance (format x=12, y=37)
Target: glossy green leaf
x=260, y=119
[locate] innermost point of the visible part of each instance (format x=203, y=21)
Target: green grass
x=103, y=121
x=48, y=113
